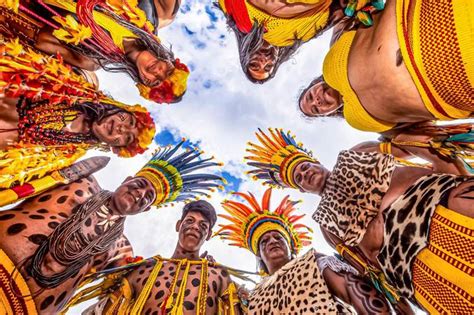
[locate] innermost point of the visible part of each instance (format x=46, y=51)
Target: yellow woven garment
x=335, y=74
x=443, y=270
x=15, y=296
x=283, y=31
x=437, y=44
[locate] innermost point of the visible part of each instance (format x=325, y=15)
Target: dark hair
x=144, y=41
x=97, y=112
x=338, y=113
x=249, y=43
x=204, y=207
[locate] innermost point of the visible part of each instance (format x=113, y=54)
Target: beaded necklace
x=44, y=123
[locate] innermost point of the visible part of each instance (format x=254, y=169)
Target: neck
x=277, y=265
x=181, y=253
x=131, y=51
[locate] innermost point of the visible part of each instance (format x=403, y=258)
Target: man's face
x=273, y=248
x=193, y=231
x=319, y=100
x=262, y=62
x=135, y=195
x=151, y=69
x=310, y=177
x=117, y=130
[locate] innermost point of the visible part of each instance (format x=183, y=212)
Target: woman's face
x=117, y=130
x=262, y=63
x=273, y=249
x=320, y=100
x=310, y=177
x=152, y=70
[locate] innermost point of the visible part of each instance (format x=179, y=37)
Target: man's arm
x=166, y=10
x=356, y=292
x=440, y=164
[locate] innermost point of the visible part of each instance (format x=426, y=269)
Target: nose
x=138, y=193
x=308, y=173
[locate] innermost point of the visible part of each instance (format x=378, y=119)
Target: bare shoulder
x=367, y=146
x=461, y=198
x=64, y=198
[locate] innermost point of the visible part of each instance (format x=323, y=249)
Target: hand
x=243, y=293
x=209, y=258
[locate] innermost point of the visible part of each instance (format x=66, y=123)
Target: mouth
x=111, y=127
x=274, y=247
x=192, y=234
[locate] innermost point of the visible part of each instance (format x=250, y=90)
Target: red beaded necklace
x=44, y=123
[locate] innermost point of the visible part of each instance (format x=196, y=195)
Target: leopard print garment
x=407, y=224
x=296, y=288
x=353, y=193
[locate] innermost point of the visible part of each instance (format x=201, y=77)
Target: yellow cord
x=178, y=306
x=202, y=294
x=143, y=297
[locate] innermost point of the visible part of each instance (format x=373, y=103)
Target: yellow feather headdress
x=276, y=158
x=248, y=222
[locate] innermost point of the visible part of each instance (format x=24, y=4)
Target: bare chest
x=196, y=291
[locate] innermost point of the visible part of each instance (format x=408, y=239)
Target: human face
x=262, y=63
x=320, y=100
x=310, y=177
x=193, y=231
x=152, y=70
x=135, y=195
x=117, y=130
x=273, y=249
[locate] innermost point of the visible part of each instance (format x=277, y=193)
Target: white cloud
x=223, y=119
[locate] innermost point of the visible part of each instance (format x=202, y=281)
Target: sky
x=220, y=113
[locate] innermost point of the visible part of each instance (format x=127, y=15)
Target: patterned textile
x=353, y=193
x=436, y=41
x=443, y=272
x=15, y=296
x=407, y=224
x=296, y=288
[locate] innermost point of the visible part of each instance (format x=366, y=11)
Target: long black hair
x=144, y=41
x=249, y=43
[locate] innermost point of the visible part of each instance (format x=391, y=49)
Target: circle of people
x=403, y=230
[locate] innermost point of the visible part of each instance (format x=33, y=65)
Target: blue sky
x=220, y=113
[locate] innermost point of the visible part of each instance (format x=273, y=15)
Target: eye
x=304, y=167
x=298, y=178
x=314, y=109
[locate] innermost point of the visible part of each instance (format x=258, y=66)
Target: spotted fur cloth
x=353, y=194
x=407, y=224
x=296, y=288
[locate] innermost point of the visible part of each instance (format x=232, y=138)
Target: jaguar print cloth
x=407, y=224
x=296, y=288
x=353, y=193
